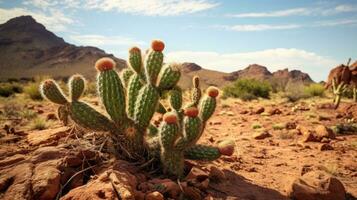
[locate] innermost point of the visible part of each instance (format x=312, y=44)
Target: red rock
x=215, y=174
x=324, y=132
x=316, y=185
x=197, y=174
x=45, y=181
x=325, y=147
x=154, y=196
x=51, y=116
x=259, y=110
x=46, y=136
x=260, y=135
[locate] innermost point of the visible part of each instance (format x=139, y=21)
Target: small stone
x=154, y=196
x=197, y=174
x=290, y=125
x=323, y=131
x=259, y=110
x=51, y=116
x=325, y=147
x=261, y=135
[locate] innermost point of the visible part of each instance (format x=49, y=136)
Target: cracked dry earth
x=276, y=144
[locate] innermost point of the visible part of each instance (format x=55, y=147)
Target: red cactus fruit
x=226, y=147
x=191, y=112
x=134, y=50
x=170, y=118
x=157, y=45
x=212, y=91
x=104, y=64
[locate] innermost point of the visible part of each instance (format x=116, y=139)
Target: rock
x=325, y=140
x=274, y=111
x=106, y=186
x=324, y=118
x=154, y=196
x=45, y=181
x=261, y=135
x=290, y=125
x=259, y=110
x=197, y=174
x=46, y=136
x=7, y=162
x=17, y=181
x=324, y=132
x=51, y=116
x=191, y=192
x=215, y=174
x=226, y=147
x=172, y=188
x=317, y=185
x=325, y=147
x=310, y=137
x=243, y=112
x=47, y=153
x=40, y=111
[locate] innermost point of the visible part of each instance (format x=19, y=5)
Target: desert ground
x=276, y=142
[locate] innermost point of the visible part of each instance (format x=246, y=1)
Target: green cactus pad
x=173, y=163
x=169, y=76
x=76, y=87
x=112, y=94
x=153, y=65
x=135, y=60
x=133, y=89
x=87, y=117
x=196, y=96
x=202, y=152
x=145, y=105
x=51, y=91
x=207, y=108
x=168, y=134
x=125, y=76
x=176, y=98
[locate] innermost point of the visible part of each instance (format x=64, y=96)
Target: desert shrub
x=278, y=84
x=294, y=92
x=11, y=109
x=8, y=89
x=314, y=90
x=247, y=89
x=28, y=114
x=32, y=90
x=279, y=126
x=256, y=126
x=38, y=124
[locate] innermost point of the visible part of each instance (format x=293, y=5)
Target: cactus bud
x=104, y=64
x=170, y=118
x=76, y=87
x=226, y=147
x=191, y=112
x=212, y=91
x=134, y=50
x=157, y=45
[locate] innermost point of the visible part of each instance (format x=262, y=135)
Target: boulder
x=317, y=185
x=260, y=135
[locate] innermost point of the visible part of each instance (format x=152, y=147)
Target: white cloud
x=152, y=7
x=313, y=11
x=54, y=20
x=258, y=27
x=336, y=22
x=279, y=13
x=317, y=66
x=101, y=40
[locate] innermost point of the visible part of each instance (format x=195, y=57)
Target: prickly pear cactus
x=131, y=99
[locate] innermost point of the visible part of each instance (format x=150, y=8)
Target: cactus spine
x=76, y=87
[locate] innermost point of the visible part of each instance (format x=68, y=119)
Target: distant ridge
x=28, y=49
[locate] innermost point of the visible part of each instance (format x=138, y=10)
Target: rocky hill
x=28, y=49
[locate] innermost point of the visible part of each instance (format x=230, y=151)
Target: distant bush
x=314, y=90
x=247, y=89
x=7, y=89
x=278, y=84
x=295, y=92
x=33, y=91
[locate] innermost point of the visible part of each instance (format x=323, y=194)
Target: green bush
x=247, y=89
x=7, y=89
x=314, y=90
x=33, y=91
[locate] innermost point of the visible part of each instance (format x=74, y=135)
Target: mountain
x=260, y=72
x=28, y=49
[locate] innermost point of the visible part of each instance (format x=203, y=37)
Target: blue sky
x=312, y=36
